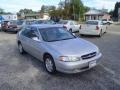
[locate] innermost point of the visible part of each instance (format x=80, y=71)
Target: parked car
x=0, y=25
x=70, y=25
x=93, y=27
x=15, y=25
x=4, y=25
x=59, y=49
x=107, y=21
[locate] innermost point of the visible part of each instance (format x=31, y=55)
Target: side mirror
x=74, y=34
x=36, y=39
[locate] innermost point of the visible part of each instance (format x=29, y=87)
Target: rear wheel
x=49, y=64
x=20, y=47
x=100, y=33
x=70, y=30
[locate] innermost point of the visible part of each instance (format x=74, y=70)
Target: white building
x=9, y=17
x=96, y=15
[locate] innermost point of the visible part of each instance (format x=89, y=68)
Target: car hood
x=73, y=47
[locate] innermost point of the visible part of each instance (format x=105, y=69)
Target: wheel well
x=46, y=54
x=18, y=42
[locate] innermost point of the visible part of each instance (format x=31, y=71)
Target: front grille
x=88, y=56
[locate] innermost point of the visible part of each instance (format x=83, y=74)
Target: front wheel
x=49, y=64
x=20, y=47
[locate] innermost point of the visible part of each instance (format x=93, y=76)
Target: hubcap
x=49, y=65
x=20, y=48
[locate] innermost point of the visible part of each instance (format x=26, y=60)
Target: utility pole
x=73, y=10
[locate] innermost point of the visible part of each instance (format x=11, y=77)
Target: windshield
x=55, y=34
x=92, y=22
x=13, y=22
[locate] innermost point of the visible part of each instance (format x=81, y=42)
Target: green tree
x=75, y=9
x=70, y=9
x=111, y=13
x=115, y=12
x=26, y=11
x=2, y=11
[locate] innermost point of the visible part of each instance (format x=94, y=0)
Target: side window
x=30, y=32
x=71, y=23
x=25, y=31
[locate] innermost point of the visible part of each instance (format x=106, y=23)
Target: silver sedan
x=59, y=49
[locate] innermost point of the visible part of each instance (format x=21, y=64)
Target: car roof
x=41, y=26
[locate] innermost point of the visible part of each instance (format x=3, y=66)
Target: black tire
x=20, y=48
x=81, y=34
x=100, y=35
x=52, y=68
x=70, y=30
x=5, y=30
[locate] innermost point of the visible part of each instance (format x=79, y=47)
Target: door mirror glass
x=36, y=39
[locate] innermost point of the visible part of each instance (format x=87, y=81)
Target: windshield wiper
x=67, y=38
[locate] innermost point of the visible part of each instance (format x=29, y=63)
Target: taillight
x=97, y=28
x=65, y=26
x=80, y=27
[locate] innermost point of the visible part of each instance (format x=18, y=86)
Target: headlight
x=69, y=58
x=98, y=51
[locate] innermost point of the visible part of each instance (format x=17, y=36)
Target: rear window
x=13, y=22
x=104, y=20
x=92, y=22
x=63, y=22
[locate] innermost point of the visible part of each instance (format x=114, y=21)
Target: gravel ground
x=19, y=72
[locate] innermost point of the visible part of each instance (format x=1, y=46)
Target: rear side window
x=92, y=22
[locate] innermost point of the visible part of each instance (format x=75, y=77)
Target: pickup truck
x=107, y=21
x=93, y=27
x=70, y=25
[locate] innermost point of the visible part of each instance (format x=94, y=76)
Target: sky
x=16, y=5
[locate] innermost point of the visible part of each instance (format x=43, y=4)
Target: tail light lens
x=97, y=28
x=65, y=26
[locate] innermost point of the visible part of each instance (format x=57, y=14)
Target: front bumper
x=78, y=66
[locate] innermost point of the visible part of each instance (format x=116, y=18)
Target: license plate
x=92, y=64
